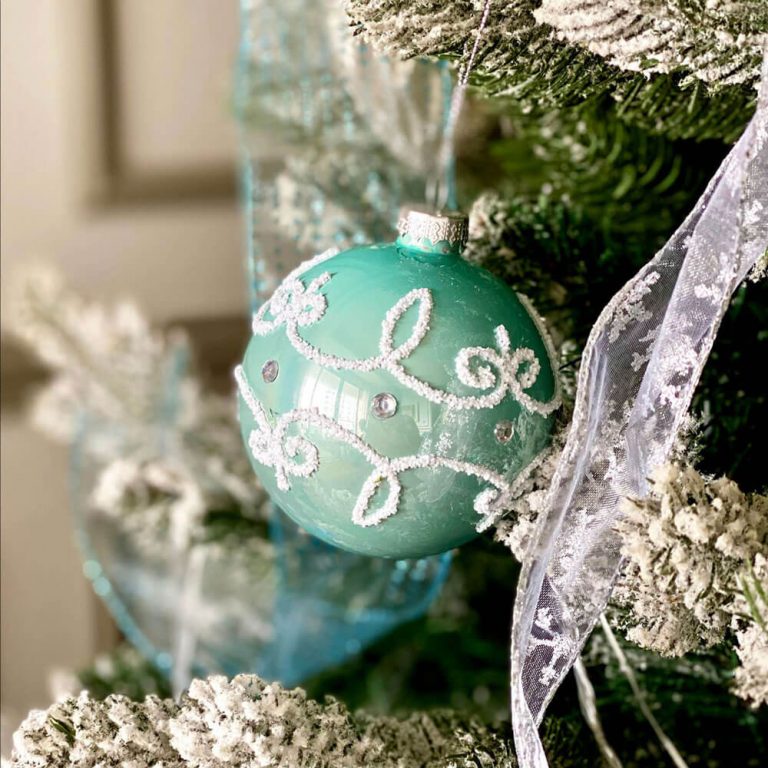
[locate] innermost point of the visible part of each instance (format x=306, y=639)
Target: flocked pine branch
x=169, y=452
x=693, y=78
x=715, y=43
x=696, y=569
x=750, y=608
x=687, y=546
x=106, y=357
x=247, y=722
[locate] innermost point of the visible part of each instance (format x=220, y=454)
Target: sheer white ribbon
x=639, y=370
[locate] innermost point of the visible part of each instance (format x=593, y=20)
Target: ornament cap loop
x=429, y=232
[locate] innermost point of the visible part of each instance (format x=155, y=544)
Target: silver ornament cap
x=431, y=232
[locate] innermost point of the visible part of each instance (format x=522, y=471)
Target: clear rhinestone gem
x=384, y=405
x=503, y=431
x=269, y=371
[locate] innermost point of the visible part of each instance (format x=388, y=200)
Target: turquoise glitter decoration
x=393, y=396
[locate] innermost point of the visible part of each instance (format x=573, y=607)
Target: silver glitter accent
x=269, y=371
x=452, y=228
x=384, y=405
x=503, y=431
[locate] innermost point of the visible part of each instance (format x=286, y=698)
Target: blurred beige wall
x=172, y=81
x=118, y=162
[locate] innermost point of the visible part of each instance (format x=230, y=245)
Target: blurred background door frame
x=119, y=157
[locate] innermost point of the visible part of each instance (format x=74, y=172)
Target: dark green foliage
x=126, y=672
x=570, y=267
x=521, y=62
x=466, y=741
x=635, y=187
x=231, y=525
x=554, y=75
x=733, y=393
x=556, y=255
x=457, y=656
x=63, y=727
x=690, y=699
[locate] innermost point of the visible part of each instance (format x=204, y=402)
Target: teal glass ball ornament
x=393, y=396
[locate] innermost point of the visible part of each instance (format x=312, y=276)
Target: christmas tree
x=589, y=132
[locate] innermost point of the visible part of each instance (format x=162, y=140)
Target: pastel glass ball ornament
x=393, y=394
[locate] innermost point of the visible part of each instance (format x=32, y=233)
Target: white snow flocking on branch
x=658, y=37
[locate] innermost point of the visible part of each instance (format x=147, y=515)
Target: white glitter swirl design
x=502, y=370
x=295, y=456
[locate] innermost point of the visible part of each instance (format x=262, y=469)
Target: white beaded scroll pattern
x=295, y=456
x=502, y=370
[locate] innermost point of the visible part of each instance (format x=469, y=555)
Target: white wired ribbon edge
x=639, y=370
